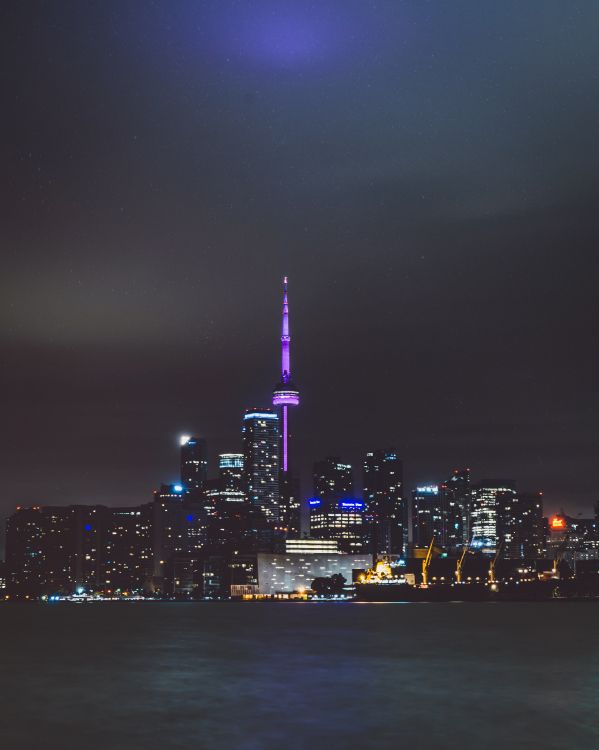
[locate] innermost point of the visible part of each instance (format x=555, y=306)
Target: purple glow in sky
x=284, y=36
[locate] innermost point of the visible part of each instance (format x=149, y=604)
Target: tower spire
x=285, y=393
x=285, y=338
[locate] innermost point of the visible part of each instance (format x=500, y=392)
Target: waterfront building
x=167, y=528
x=61, y=550
x=39, y=551
x=179, y=530
x=383, y=495
x=294, y=572
x=312, y=546
x=128, y=561
x=260, y=433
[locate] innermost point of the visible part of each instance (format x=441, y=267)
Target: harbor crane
x=492, y=576
x=460, y=563
x=426, y=563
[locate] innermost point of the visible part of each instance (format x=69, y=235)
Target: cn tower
x=285, y=393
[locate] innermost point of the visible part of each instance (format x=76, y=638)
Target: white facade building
x=294, y=572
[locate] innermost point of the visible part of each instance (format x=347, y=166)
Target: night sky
x=426, y=173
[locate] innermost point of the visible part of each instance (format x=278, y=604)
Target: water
x=258, y=676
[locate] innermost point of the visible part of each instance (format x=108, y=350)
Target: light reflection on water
x=256, y=676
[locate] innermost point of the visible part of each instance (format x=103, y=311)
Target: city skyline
x=285, y=393
x=195, y=450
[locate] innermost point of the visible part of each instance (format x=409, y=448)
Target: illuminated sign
x=429, y=489
x=558, y=522
x=351, y=504
x=314, y=501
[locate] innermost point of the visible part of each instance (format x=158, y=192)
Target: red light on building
x=558, y=522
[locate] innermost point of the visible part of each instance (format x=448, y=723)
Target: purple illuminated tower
x=285, y=395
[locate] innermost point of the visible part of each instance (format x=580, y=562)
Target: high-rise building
x=168, y=529
x=492, y=501
x=334, y=512
x=230, y=469
x=194, y=463
x=286, y=395
x=573, y=539
x=27, y=552
x=427, y=516
x=383, y=494
x=78, y=548
x=333, y=479
x=342, y=520
x=128, y=564
x=521, y=526
x=456, y=500
x=260, y=433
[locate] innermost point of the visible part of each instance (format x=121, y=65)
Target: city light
x=429, y=489
x=349, y=504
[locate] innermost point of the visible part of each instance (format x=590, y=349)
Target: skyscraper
x=456, y=500
x=427, y=515
x=128, y=563
x=491, y=500
x=383, y=485
x=230, y=470
x=285, y=395
x=520, y=525
x=334, y=513
x=342, y=520
x=333, y=479
x=34, y=538
x=260, y=434
x=194, y=463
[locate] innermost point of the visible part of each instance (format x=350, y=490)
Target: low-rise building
x=294, y=572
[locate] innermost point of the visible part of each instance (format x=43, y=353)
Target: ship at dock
x=469, y=578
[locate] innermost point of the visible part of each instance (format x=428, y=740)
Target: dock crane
x=492, y=577
x=460, y=563
x=426, y=563
x=559, y=555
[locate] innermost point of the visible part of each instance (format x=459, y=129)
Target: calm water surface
x=258, y=676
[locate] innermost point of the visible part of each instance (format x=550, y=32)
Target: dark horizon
x=425, y=175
